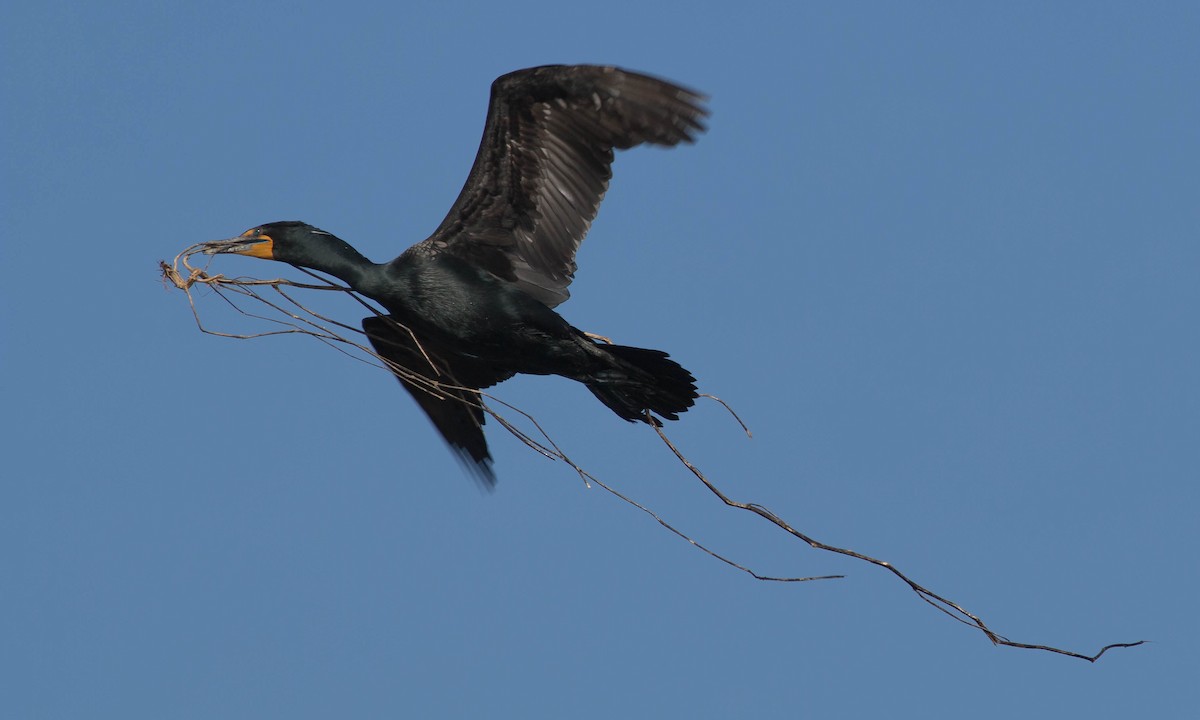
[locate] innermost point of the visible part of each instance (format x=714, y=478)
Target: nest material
x=292, y=317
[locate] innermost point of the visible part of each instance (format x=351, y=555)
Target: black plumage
x=472, y=304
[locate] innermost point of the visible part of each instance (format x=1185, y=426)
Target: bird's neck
x=349, y=266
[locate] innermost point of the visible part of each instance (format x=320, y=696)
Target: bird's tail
x=641, y=380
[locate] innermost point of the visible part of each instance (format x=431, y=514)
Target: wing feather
x=456, y=408
x=545, y=162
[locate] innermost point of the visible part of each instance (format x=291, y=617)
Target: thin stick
x=949, y=607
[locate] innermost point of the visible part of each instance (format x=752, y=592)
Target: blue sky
x=942, y=259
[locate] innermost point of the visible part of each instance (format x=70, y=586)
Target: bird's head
x=289, y=241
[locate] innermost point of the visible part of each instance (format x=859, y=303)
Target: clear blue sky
x=944, y=261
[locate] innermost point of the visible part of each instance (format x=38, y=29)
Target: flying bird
x=472, y=304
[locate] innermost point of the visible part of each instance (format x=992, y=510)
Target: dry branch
x=294, y=318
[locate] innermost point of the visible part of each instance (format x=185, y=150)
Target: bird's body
x=472, y=305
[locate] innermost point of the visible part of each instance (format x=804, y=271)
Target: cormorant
x=477, y=295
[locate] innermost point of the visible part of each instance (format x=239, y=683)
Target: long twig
x=945, y=605
x=296, y=318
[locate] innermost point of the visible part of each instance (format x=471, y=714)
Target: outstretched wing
x=544, y=164
x=454, y=406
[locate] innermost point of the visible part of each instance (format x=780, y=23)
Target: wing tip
x=480, y=469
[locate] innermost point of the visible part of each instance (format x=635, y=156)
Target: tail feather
x=641, y=380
